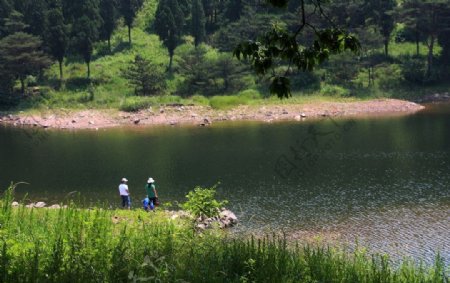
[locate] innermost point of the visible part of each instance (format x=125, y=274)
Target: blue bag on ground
x=146, y=203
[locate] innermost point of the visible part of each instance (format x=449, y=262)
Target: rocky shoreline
x=436, y=97
x=204, y=115
x=225, y=219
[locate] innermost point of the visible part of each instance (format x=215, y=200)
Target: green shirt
x=150, y=188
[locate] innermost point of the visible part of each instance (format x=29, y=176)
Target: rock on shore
x=226, y=219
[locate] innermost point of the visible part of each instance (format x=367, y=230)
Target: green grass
x=109, y=88
x=100, y=245
x=409, y=48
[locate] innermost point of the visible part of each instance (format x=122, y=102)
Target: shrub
x=225, y=102
x=334, y=90
x=207, y=72
x=200, y=99
x=341, y=69
x=135, y=104
x=305, y=80
x=146, y=77
x=250, y=94
x=202, y=202
x=388, y=76
x=414, y=69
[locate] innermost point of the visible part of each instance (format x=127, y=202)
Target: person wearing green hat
x=152, y=194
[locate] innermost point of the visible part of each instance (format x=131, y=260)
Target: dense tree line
x=38, y=32
x=225, y=23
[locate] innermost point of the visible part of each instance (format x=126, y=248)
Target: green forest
x=130, y=54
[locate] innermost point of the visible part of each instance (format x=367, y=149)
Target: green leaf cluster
x=202, y=202
x=281, y=44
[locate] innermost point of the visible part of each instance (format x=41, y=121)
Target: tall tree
x=21, y=55
x=169, y=22
x=409, y=14
x=444, y=41
x=85, y=29
x=198, y=22
x=14, y=23
x=211, y=9
x=433, y=21
x=381, y=14
x=128, y=9
x=234, y=10
x=35, y=17
x=5, y=10
x=56, y=33
x=108, y=12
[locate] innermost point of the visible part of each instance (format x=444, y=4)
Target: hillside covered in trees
x=130, y=54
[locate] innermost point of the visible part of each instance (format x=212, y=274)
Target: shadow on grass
x=78, y=84
x=9, y=102
x=103, y=50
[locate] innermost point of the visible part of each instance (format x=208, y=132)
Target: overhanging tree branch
x=279, y=44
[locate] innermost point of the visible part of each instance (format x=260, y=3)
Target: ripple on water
x=406, y=212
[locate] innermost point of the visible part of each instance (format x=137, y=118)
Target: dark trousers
x=126, y=201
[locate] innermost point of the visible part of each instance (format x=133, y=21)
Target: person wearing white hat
x=124, y=193
x=152, y=194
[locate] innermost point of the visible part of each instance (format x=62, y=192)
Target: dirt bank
x=204, y=116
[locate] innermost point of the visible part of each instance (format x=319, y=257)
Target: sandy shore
x=204, y=116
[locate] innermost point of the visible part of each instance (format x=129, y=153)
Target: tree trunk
x=109, y=44
x=88, y=69
x=61, y=75
x=129, y=34
x=430, y=56
x=417, y=43
x=386, y=47
x=170, y=63
x=22, y=85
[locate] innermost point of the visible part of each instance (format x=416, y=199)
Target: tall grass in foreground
x=98, y=245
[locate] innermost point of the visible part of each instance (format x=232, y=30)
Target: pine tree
x=211, y=10
x=56, y=33
x=381, y=14
x=14, y=23
x=409, y=15
x=35, y=17
x=235, y=9
x=20, y=5
x=85, y=29
x=169, y=22
x=146, y=77
x=433, y=20
x=21, y=55
x=198, y=22
x=129, y=9
x=108, y=12
x=5, y=10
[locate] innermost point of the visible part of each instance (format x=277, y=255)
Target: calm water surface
x=382, y=181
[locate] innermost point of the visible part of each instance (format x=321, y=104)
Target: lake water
x=384, y=182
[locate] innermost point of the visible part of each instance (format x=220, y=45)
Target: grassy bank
x=98, y=245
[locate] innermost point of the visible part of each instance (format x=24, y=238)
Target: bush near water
x=74, y=244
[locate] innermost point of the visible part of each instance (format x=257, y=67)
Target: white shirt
x=123, y=189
